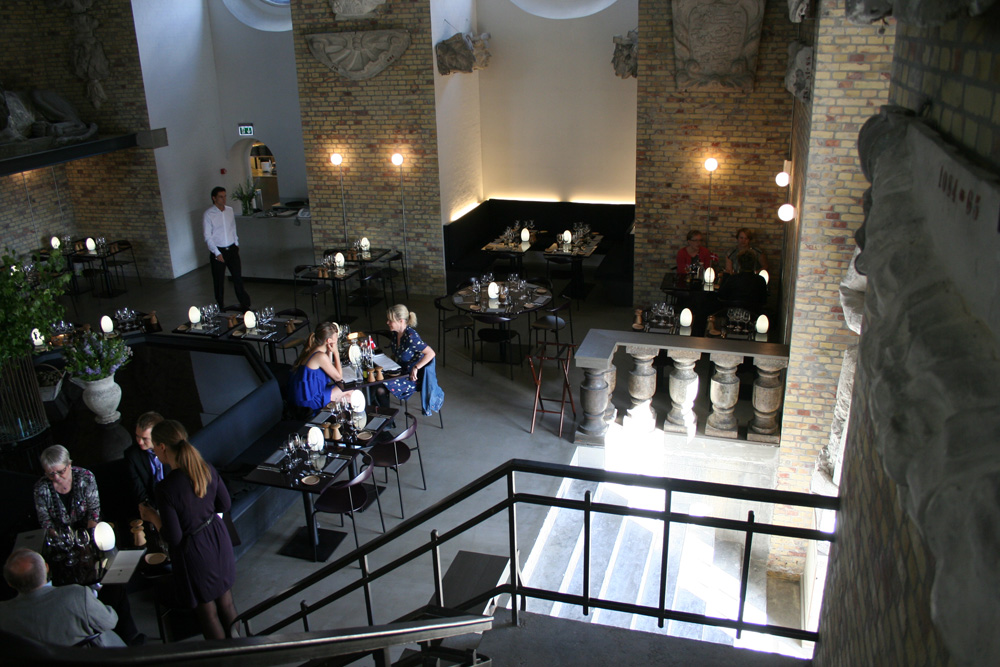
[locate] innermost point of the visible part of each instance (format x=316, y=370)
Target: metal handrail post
x=745, y=573
x=664, y=554
x=305, y=615
x=586, y=553
x=512, y=536
x=436, y=565
x=363, y=561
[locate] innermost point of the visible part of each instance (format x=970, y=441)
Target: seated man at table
x=61, y=615
x=144, y=469
x=694, y=250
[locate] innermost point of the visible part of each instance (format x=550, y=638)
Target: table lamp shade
x=36, y=338
x=107, y=326
x=314, y=437
x=493, y=291
x=686, y=317
x=338, y=260
x=763, y=274
x=194, y=315
x=358, y=401
x=525, y=234
x=762, y=324
x=567, y=236
x=365, y=243
x=54, y=241
x=250, y=320
x=709, y=275
x=104, y=536
x=91, y=244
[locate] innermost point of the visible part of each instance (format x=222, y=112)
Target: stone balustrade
x=595, y=355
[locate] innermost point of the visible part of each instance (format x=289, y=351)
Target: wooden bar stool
x=562, y=354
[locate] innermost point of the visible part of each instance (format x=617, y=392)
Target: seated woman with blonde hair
x=416, y=359
x=318, y=367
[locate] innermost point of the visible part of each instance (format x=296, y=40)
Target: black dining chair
x=558, y=317
x=118, y=262
x=312, y=287
x=390, y=273
x=350, y=495
x=299, y=341
x=370, y=291
x=497, y=331
x=394, y=453
x=449, y=319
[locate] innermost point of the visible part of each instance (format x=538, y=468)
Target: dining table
x=513, y=246
x=275, y=332
x=579, y=249
x=337, y=277
x=530, y=299
x=296, y=473
x=101, y=254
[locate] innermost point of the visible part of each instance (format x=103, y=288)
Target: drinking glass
x=318, y=462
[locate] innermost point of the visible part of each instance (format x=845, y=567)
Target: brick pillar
x=852, y=67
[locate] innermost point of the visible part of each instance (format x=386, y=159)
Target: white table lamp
x=567, y=236
x=686, y=317
x=338, y=260
x=709, y=275
x=365, y=243
x=493, y=291
x=314, y=438
x=107, y=326
x=54, y=241
x=104, y=536
x=91, y=244
x=525, y=234
x=250, y=320
x=763, y=274
x=36, y=338
x=194, y=315
x=762, y=324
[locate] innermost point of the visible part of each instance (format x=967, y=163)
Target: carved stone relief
x=797, y=10
x=923, y=13
x=354, y=9
x=930, y=358
x=626, y=57
x=89, y=62
x=799, y=75
x=463, y=52
x=39, y=121
x=716, y=43
x=359, y=54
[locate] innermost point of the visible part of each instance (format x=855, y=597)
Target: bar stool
x=562, y=354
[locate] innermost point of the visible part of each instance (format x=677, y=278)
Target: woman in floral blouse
x=67, y=495
x=408, y=349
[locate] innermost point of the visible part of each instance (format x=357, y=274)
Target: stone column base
x=721, y=433
x=644, y=423
x=772, y=438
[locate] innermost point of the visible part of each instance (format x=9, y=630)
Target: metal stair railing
x=251, y=651
x=515, y=588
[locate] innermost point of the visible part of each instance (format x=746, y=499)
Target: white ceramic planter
x=102, y=398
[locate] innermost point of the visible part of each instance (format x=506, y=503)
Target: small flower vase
x=102, y=398
x=247, y=207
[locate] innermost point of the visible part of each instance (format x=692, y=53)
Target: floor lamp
x=711, y=164
x=397, y=159
x=338, y=160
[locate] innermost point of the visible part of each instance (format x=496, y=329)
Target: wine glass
x=318, y=462
x=68, y=545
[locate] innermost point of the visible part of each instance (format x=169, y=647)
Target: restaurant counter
x=271, y=247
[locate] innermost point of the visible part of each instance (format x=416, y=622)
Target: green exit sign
x=246, y=130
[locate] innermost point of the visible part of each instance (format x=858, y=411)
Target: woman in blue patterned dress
x=409, y=351
x=316, y=374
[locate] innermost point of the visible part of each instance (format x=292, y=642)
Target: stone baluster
x=683, y=391
x=611, y=376
x=641, y=387
x=594, y=399
x=768, y=395
x=724, y=391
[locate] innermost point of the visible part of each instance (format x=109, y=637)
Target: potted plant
x=245, y=193
x=92, y=360
x=29, y=300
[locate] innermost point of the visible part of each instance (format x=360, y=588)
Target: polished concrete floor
x=486, y=422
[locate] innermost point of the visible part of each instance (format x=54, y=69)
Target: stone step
x=626, y=577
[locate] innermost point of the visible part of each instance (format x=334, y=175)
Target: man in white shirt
x=219, y=223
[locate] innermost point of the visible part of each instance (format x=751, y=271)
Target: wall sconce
x=784, y=176
x=107, y=326
x=338, y=160
x=786, y=212
x=397, y=159
x=194, y=315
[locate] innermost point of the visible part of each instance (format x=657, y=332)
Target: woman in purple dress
x=189, y=499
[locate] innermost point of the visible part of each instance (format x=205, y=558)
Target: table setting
x=208, y=321
x=516, y=238
x=506, y=297
x=578, y=242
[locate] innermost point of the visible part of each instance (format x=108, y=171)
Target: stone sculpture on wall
x=354, y=9
x=797, y=10
x=930, y=358
x=716, y=42
x=921, y=13
x=799, y=75
x=626, y=57
x=38, y=121
x=89, y=62
x=359, y=54
x=463, y=52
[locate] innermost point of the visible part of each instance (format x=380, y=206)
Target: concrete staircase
x=703, y=569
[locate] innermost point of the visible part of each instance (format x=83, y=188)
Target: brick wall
x=115, y=195
x=367, y=121
x=876, y=607
x=747, y=134
x=852, y=65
